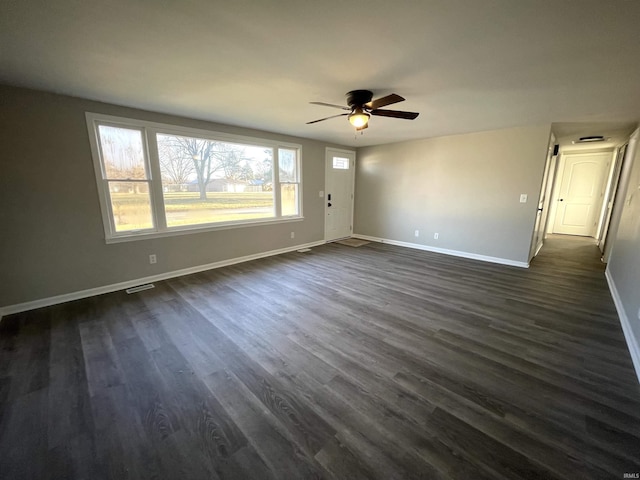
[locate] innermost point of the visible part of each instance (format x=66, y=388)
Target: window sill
x=197, y=229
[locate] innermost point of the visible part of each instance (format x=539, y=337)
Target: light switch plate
x=523, y=198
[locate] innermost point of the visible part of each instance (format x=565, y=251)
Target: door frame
x=621, y=194
x=328, y=165
x=542, y=213
x=612, y=187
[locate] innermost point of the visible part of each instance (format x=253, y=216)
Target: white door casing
x=339, y=187
x=581, y=193
x=612, y=186
x=621, y=197
x=540, y=225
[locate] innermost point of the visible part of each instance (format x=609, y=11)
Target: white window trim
x=160, y=229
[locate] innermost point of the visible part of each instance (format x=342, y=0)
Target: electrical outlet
x=435, y=236
x=417, y=234
x=293, y=234
x=153, y=258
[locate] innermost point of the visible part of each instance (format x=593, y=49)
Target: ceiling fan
x=361, y=107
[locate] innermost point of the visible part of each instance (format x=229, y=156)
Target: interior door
x=581, y=193
x=339, y=184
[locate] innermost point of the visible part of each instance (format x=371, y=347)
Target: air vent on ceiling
x=590, y=139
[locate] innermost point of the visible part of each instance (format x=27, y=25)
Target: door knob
x=328, y=204
x=561, y=200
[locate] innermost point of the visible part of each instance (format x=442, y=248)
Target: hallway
x=577, y=299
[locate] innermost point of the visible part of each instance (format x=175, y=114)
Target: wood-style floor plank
x=375, y=362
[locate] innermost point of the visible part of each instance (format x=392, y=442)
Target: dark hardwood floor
x=375, y=362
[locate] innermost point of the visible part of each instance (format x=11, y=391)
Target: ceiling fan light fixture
x=359, y=118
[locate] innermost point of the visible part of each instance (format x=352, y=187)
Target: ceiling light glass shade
x=359, y=118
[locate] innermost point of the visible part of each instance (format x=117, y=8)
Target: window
x=288, y=180
x=341, y=163
x=157, y=179
x=125, y=177
x=207, y=181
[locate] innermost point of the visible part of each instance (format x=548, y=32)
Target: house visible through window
x=157, y=179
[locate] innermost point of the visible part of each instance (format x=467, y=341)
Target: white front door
x=339, y=178
x=581, y=193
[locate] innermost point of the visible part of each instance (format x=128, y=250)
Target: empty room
x=320, y=240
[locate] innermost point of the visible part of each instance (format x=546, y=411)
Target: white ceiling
x=464, y=65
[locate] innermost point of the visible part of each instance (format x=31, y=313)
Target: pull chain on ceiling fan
x=362, y=107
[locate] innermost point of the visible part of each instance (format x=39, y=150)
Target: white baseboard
x=632, y=341
x=455, y=253
x=67, y=297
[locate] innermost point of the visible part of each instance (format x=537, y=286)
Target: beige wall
x=51, y=233
x=464, y=187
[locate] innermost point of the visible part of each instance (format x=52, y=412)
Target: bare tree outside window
x=177, y=168
x=226, y=178
x=198, y=152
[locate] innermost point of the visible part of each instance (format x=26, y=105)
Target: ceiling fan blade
x=395, y=114
x=384, y=101
x=342, y=107
x=327, y=118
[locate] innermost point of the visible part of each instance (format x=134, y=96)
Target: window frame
x=149, y=130
x=105, y=180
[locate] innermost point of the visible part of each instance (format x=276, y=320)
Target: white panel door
x=581, y=193
x=339, y=178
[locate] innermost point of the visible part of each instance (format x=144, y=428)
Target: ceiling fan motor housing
x=357, y=98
